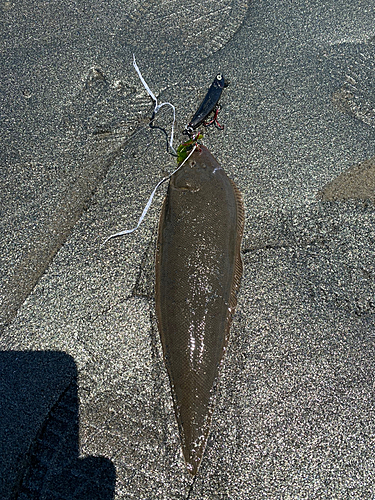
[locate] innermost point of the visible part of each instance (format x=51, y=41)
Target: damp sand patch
x=356, y=183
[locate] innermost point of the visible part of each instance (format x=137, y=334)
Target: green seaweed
x=184, y=148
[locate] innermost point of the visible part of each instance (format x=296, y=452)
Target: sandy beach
x=86, y=408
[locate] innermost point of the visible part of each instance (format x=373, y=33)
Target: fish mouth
x=188, y=187
x=186, y=183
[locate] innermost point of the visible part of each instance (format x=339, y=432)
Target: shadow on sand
x=39, y=439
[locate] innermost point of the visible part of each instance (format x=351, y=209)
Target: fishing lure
x=209, y=105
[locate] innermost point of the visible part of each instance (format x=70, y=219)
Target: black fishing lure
x=208, y=106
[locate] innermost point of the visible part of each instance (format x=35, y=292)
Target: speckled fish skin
x=198, y=270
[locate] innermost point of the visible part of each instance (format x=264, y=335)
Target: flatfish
x=198, y=271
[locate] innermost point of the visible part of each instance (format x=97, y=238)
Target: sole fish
x=198, y=271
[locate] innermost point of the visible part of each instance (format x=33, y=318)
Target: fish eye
x=219, y=76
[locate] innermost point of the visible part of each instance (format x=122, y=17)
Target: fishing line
x=156, y=109
x=197, y=136
x=157, y=106
x=145, y=210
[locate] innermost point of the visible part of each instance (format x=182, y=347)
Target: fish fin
x=238, y=264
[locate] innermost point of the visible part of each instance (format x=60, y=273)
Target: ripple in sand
x=357, y=94
x=197, y=27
